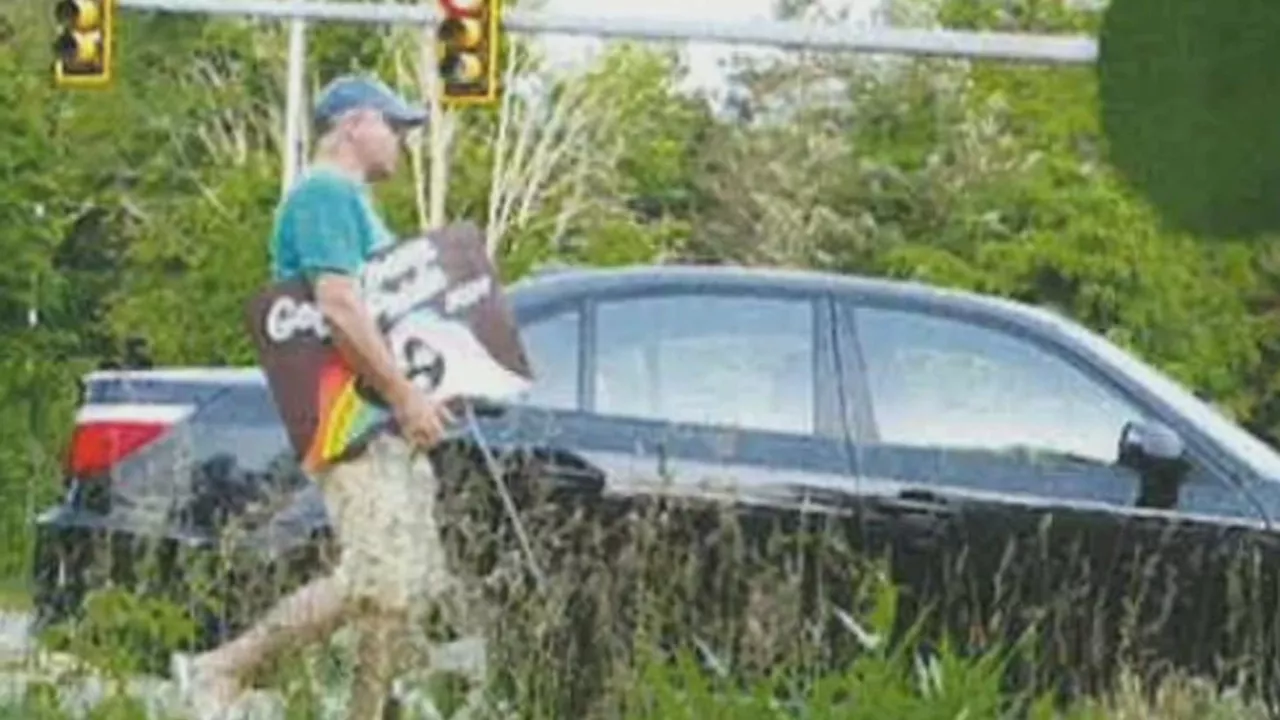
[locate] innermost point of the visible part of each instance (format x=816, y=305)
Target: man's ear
x=344, y=125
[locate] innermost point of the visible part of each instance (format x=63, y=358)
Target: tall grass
x=670, y=609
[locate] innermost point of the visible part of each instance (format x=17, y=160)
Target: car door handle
x=570, y=473
x=920, y=502
x=576, y=477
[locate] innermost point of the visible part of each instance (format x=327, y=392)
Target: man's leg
x=379, y=652
x=408, y=569
x=314, y=610
x=310, y=613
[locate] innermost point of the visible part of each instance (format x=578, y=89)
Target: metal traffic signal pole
x=295, y=140
x=1051, y=49
x=1040, y=49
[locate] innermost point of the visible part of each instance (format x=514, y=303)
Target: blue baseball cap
x=351, y=92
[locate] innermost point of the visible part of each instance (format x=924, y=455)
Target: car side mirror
x=1146, y=442
x=1159, y=455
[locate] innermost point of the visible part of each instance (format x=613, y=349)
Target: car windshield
x=1260, y=456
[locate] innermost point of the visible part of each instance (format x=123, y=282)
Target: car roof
x=546, y=285
x=555, y=282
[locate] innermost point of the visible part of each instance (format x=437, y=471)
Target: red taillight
x=97, y=446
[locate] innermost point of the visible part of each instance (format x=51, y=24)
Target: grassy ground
x=678, y=691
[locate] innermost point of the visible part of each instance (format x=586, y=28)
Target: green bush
x=119, y=628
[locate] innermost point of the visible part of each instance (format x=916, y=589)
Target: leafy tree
x=984, y=176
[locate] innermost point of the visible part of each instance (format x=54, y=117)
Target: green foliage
x=201, y=259
x=1188, y=100
x=119, y=628
x=883, y=681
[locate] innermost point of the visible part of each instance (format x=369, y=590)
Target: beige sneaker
x=205, y=694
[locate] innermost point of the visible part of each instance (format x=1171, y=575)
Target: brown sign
x=438, y=301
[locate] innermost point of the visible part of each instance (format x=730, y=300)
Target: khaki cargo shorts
x=382, y=506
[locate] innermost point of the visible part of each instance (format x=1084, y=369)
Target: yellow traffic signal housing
x=467, y=43
x=82, y=50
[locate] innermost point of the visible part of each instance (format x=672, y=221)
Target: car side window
x=552, y=344
x=1202, y=494
x=724, y=360
x=944, y=383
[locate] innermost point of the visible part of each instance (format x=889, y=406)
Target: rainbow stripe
x=343, y=416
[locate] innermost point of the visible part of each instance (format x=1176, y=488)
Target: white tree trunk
x=548, y=153
x=428, y=156
x=551, y=159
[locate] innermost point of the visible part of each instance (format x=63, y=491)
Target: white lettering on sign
x=467, y=294
x=289, y=318
x=418, y=286
x=386, y=268
x=397, y=282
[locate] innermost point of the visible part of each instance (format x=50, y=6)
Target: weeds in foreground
x=663, y=609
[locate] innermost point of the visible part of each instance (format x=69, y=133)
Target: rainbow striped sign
x=438, y=302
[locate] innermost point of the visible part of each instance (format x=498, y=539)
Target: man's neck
x=343, y=165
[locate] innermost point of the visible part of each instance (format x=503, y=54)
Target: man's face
x=377, y=142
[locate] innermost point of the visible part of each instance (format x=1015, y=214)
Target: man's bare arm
x=357, y=337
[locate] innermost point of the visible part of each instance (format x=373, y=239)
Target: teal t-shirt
x=327, y=223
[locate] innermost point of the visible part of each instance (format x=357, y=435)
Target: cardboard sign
x=437, y=300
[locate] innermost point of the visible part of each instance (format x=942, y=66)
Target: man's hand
x=422, y=421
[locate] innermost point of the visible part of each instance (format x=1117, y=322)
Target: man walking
x=381, y=502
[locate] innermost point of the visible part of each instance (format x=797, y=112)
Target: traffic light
x=82, y=50
x=467, y=43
